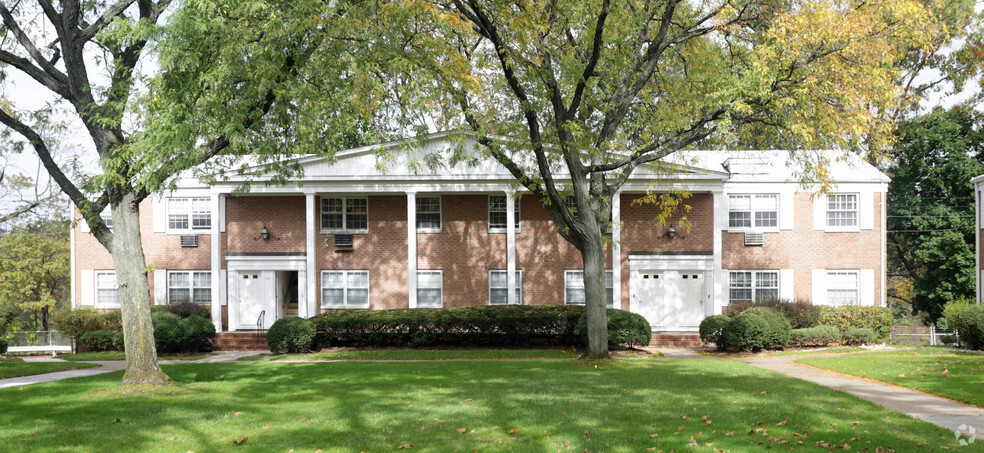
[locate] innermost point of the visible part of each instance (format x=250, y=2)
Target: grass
x=10, y=368
x=115, y=355
x=796, y=352
x=621, y=406
x=951, y=374
x=422, y=354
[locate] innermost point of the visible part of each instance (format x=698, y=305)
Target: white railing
x=39, y=341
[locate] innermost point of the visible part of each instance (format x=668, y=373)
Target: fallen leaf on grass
x=512, y=431
x=401, y=447
x=461, y=430
x=467, y=399
x=783, y=423
x=303, y=420
x=240, y=442
x=693, y=442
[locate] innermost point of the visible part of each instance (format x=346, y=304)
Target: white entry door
x=648, y=300
x=253, y=289
x=691, y=304
x=670, y=299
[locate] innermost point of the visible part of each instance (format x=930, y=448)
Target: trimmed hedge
x=175, y=334
x=518, y=325
x=857, y=336
x=815, y=336
x=756, y=329
x=625, y=329
x=970, y=326
x=3, y=345
x=877, y=319
x=801, y=314
x=712, y=330
x=291, y=335
x=118, y=342
x=189, y=309
x=98, y=340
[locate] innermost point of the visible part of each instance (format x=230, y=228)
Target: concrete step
x=239, y=341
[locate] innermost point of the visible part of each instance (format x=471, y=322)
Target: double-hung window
x=429, y=214
x=497, y=214
x=842, y=210
x=430, y=289
x=574, y=288
x=107, y=217
x=344, y=214
x=753, y=211
x=842, y=288
x=345, y=289
x=189, y=214
x=189, y=286
x=107, y=291
x=499, y=287
x=753, y=285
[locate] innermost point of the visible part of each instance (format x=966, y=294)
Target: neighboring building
x=353, y=236
x=978, y=183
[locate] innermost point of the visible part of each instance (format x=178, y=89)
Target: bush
x=800, y=313
x=857, y=336
x=291, y=335
x=970, y=326
x=118, y=343
x=877, y=319
x=712, y=329
x=7, y=316
x=170, y=334
x=950, y=310
x=112, y=321
x=3, y=345
x=78, y=322
x=625, y=329
x=98, y=340
x=198, y=331
x=815, y=336
x=188, y=309
x=757, y=328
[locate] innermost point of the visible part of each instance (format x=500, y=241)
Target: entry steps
x=676, y=340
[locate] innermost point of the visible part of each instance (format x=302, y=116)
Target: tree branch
x=107, y=16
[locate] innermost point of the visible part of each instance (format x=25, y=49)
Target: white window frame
x=754, y=209
x=609, y=290
x=505, y=287
x=107, y=217
x=193, y=207
x=504, y=227
x=346, y=287
x=104, y=287
x=420, y=300
x=833, y=198
x=755, y=276
x=346, y=228
x=191, y=286
x=832, y=285
x=440, y=216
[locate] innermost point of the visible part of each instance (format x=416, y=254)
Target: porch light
x=670, y=233
x=265, y=233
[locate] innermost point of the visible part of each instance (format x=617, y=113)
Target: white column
x=511, y=247
x=977, y=237
x=216, y=270
x=718, y=296
x=310, y=306
x=617, y=250
x=412, y=248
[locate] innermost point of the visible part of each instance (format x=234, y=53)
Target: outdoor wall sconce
x=670, y=234
x=265, y=235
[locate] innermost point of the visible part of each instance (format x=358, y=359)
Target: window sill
x=430, y=230
x=343, y=307
x=502, y=231
x=842, y=229
x=753, y=230
x=188, y=232
x=343, y=232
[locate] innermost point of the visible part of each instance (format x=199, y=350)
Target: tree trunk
x=134, y=292
x=595, y=300
x=44, y=319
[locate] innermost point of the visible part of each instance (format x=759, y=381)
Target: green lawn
x=628, y=406
x=9, y=369
x=951, y=374
x=796, y=352
x=114, y=355
x=424, y=354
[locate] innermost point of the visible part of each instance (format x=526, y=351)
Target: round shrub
x=291, y=335
x=815, y=336
x=77, y=322
x=712, y=329
x=197, y=330
x=99, y=340
x=970, y=326
x=3, y=345
x=756, y=329
x=188, y=309
x=625, y=329
x=857, y=336
x=118, y=342
x=169, y=332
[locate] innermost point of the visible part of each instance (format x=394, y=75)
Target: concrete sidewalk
x=958, y=417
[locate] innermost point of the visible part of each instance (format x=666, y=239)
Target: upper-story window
x=497, y=214
x=842, y=210
x=753, y=211
x=429, y=213
x=348, y=214
x=189, y=214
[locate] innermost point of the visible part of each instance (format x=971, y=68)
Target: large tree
x=570, y=96
x=931, y=229
x=34, y=271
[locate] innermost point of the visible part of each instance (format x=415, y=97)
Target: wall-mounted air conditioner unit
x=189, y=240
x=754, y=239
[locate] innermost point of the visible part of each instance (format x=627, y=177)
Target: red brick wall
x=804, y=249
x=283, y=216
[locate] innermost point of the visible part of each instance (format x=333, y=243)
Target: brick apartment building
x=356, y=235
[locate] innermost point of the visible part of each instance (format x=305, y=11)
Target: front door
x=670, y=299
x=691, y=303
x=250, y=299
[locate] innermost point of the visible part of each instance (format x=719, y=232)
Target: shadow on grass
x=527, y=406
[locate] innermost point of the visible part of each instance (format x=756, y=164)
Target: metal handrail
x=259, y=325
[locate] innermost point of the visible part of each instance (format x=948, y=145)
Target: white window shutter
x=819, y=287
x=786, y=210
x=786, y=288
x=159, y=209
x=866, y=210
x=160, y=286
x=819, y=212
x=866, y=287
x=83, y=225
x=87, y=288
